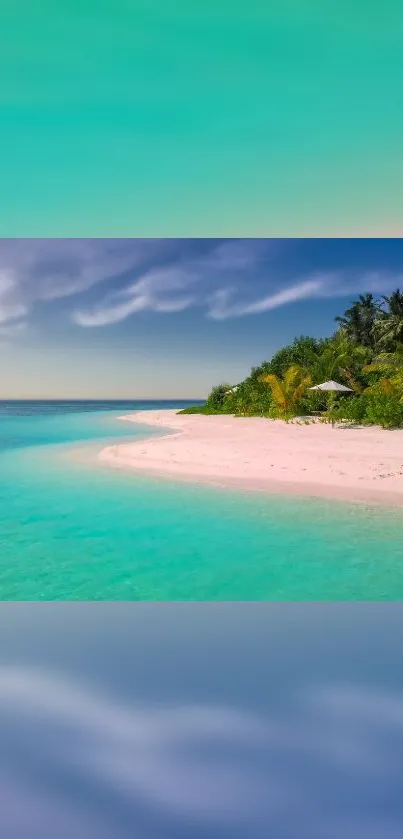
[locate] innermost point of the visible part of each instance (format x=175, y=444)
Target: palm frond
x=355, y=386
x=277, y=389
x=301, y=389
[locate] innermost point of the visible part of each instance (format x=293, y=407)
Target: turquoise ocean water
x=71, y=528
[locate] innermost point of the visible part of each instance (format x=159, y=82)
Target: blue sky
x=127, y=318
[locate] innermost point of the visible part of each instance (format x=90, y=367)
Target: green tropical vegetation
x=365, y=353
x=288, y=392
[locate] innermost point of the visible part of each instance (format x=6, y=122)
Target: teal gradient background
x=222, y=118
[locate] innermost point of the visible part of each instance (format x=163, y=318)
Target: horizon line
x=101, y=399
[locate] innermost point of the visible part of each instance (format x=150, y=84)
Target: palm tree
x=359, y=321
x=387, y=363
x=341, y=358
x=288, y=392
x=390, y=324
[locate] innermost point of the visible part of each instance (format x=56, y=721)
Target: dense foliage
x=365, y=354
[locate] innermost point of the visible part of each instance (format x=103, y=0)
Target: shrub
x=302, y=352
x=314, y=401
x=195, y=409
x=216, y=399
x=384, y=409
x=352, y=408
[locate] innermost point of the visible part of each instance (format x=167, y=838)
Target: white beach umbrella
x=332, y=386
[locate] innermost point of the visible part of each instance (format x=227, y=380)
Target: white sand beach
x=356, y=464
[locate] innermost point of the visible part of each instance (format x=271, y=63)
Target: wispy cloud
x=320, y=766
x=132, y=275
x=240, y=254
x=346, y=283
x=35, y=270
x=110, y=280
x=175, y=288
x=12, y=305
x=152, y=754
x=221, y=307
x=158, y=291
x=223, y=303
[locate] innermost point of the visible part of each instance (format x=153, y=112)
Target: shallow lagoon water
x=71, y=528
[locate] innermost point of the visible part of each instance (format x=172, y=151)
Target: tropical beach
x=322, y=417
x=354, y=464
x=164, y=437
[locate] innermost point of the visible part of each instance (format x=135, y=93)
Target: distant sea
x=71, y=528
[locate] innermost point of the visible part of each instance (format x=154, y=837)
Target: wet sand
x=352, y=464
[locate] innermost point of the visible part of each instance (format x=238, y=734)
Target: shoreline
x=267, y=456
